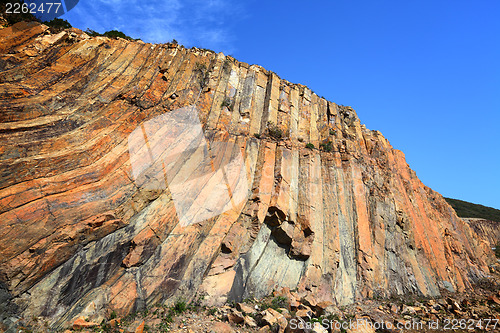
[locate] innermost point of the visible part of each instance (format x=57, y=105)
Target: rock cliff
x=133, y=174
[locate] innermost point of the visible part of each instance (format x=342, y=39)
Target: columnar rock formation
x=80, y=234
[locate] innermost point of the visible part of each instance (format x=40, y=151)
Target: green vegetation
x=195, y=305
x=58, y=24
x=274, y=131
x=257, y=135
x=327, y=146
x=310, y=146
x=279, y=302
x=276, y=303
x=109, y=34
x=179, y=307
x=332, y=132
x=467, y=209
x=497, y=250
x=116, y=34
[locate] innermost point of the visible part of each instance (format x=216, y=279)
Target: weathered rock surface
x=82, y=236
x=488, y=235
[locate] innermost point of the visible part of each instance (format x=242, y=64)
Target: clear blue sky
x=425, y=73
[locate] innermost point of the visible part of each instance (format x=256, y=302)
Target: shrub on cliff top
x=109, y=34
x=116, y=34
x=57, y=25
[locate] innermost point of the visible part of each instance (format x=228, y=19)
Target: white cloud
x=201, y=23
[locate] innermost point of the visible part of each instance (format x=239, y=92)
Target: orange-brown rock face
x=134, y=173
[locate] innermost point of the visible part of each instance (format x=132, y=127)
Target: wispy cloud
x=192, y=22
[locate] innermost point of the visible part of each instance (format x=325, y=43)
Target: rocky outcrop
x=117, y=156
x=488, y=237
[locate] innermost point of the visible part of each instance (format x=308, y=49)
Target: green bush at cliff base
x=179, y=307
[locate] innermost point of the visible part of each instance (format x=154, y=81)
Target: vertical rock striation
x=80, y=235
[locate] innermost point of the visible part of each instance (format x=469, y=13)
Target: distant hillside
x=468, y=209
